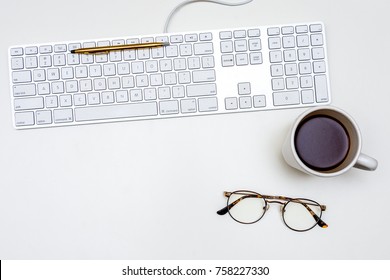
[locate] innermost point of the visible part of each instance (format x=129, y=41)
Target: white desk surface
x=151, y=189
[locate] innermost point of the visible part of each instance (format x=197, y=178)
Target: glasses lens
x=248, y=208
x=297, y=214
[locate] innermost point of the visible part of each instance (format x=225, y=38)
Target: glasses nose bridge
x=282, y=204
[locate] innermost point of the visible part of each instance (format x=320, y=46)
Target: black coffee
x=321, y=142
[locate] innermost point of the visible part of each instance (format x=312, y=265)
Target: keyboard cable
x=184, y=3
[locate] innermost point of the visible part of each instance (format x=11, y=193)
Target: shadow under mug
x=349, y=153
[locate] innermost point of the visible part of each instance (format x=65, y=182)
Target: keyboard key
x=24, y=90
x=291, y=69
x=203, y=76
x=276, y=70
x=188, y=105
x=31, y=62
x=207, y=36
x=44, y=117
x=241, y=59
x=45, y=49
x=136, y=95
x=292, y=83
x=315, y=28
x=201, y=90
x=319, y=67
x=63, y=115
x=245, y=102
x=272, y=31
x=254, y=32
x=17, y=63
x=171, y=51
x=225, y=35
x=16, y=51
x=31, y=50
x=60, y=48
x=227, y=60
x=164, y=93
x=302, y=41
x=255, y=58
x=286, y=98
x=227, y=46
x=286, y=30
x=259, y=101
x=136, y=68
x=178, y=92
x=177, y=39
x=93, y=98
x=203, y=48
x=306, y=81
x=184, y=77
x=28, y=103
x=170, y=78
x=240, y=46
x=304, y=68
x=191, y=37
x=318, y=53
x=254, y=44
x=185, y=50
x=150, y=94
x=179, y=64
x=244, y=88
x=44, y=88
x=303, y=54
x=21, y=77
x=208, y=104
x=239, y=34
x=289, y=55
x=79, y=99
x=274, y=43
x=317, y=39
x=278, y=84
x=275, y=56
x=109, y=112
x=307, y=96
x=288, y=42
x=301, y=29
x=231, y=103
x=321, y=88
x=121, y=96
x=107, y=97
x=169, y=107
x=51, y=102
x=24, y=118
x=208, y=61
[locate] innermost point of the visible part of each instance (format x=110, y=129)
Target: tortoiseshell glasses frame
x=307, y=204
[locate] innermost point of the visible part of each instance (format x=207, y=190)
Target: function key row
x=299, y=29
x=236, y=34
x=60, y=48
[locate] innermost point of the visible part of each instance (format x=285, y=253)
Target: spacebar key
x=130, y=110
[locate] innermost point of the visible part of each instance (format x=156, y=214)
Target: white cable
x=181, y=5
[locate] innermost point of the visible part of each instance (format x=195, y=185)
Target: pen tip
x=72, y=51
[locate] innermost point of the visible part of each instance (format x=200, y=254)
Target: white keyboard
x=198, y=73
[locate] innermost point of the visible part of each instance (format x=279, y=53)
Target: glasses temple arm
x=319, y=221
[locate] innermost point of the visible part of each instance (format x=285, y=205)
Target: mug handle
x=366, y=162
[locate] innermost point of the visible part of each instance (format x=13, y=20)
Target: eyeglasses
x=299, y=214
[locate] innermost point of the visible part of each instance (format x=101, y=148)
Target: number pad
x=297, y=56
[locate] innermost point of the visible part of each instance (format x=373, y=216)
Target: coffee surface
x=321, y=142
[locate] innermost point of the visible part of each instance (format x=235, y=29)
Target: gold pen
x=119, y=47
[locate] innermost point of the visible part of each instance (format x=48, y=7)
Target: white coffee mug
x=306, y=146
